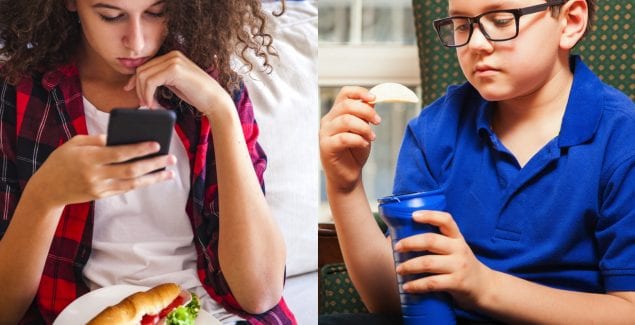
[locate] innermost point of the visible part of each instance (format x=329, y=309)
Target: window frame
x=364, y=64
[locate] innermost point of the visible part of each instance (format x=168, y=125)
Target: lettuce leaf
x=185, y=315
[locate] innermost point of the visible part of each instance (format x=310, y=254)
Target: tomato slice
x=176, y=303
x=154, y=319
x=150, y=319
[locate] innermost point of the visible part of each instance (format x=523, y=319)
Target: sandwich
x=163, y=304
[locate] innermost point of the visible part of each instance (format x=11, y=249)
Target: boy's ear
x=574, y=17
x=71, y=5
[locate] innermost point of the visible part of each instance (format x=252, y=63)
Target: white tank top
x=144, y=237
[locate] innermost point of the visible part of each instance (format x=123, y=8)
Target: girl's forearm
x=23, y=251
x=251, y=248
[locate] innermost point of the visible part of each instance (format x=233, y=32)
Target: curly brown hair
x=38, y=35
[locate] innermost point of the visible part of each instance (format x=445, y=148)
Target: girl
x=75, y=215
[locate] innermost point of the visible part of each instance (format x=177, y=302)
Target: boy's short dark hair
x=592, y=7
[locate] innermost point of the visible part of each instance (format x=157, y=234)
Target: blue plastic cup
x=396, y=211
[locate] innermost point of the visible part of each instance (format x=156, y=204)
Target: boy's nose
x=133, y=38
x=478, y=41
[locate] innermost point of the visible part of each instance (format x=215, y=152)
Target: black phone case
x=127, y=126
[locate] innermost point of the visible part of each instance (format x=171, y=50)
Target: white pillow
x=286, y=109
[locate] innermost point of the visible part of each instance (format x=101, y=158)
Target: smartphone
x=127, y=126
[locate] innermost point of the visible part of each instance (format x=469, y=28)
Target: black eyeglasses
x=497, y=25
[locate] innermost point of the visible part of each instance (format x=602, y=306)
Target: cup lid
x=409, y=196
x=407, y=203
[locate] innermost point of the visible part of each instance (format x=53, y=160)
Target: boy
x=536, y=157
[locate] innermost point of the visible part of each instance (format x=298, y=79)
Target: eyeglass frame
x=518, y=12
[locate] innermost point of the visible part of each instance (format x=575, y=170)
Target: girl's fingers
x=131, y=83
x=145, y=90
x=160, y=60
x=160, y=71
x=123, y=153
x=149, y=84
x=137, y=168
x=124, y=185
x=141, y=90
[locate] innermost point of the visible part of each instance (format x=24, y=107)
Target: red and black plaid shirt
x=43, y=112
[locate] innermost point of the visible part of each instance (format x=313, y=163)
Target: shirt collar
x=582, y=114
x=63, y=76
x=484, y=119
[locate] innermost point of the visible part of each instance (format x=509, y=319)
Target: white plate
x=84, y=308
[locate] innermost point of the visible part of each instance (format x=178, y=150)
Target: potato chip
x=391, y=92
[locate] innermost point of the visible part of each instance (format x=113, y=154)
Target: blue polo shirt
x=567, y=218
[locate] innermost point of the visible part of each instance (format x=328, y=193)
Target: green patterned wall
x=438, y=65
x=609, y=49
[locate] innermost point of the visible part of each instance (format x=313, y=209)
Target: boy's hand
x=345, y=137
x=451, y=261
x=84, y=169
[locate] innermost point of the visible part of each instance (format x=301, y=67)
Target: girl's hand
x=452, y=263
x=345, y=137
x=183, y=77
x=84, y=169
